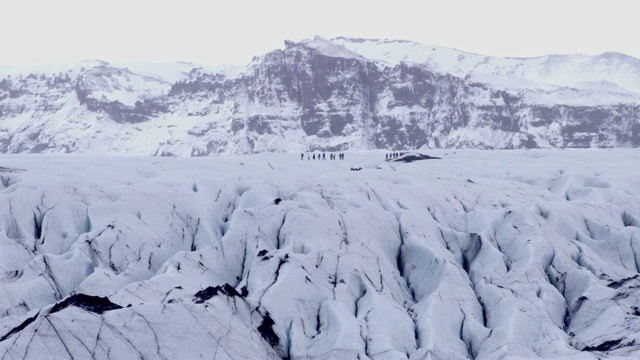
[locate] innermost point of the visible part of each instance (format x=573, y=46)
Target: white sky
x=232, y=31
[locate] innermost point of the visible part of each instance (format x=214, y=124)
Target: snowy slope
x=485, y=255
x=579, y=71
x=323, y=94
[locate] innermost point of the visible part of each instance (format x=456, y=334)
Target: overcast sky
x=232, y=31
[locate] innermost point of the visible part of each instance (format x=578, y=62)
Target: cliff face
x=322, y=95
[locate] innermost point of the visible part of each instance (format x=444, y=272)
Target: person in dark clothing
x=314, y=156
x=302, y=156
x=323, y=158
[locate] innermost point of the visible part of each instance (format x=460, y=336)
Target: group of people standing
x=393, y=155
x=322, y=156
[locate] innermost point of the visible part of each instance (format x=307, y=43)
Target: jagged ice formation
x=476, y=255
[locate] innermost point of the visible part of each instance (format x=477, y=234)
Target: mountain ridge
x=328, y=95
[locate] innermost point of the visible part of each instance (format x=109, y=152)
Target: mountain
x=324, y=95
x=516, y=254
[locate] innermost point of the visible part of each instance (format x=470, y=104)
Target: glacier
x=479, y=254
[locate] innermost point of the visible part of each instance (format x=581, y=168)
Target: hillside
x=323, y=94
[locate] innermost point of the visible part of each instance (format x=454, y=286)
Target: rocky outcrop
x=312, y=95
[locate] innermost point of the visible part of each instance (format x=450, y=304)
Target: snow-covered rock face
x=326, y=95
x=487, y=255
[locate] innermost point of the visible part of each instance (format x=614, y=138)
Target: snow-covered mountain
x=478, y=255
x=324, y=94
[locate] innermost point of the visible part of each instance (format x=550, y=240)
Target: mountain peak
x=329, y=95
x=325, y=47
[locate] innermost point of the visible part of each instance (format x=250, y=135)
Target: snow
x=480, y=254
x=332, y=49
x=170, y=72
x=48, y=69
x=616, y=72
x=130, y=108
x=394, y=52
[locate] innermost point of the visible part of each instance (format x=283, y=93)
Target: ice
x=478, y=254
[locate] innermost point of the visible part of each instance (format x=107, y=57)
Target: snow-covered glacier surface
x=480, y=254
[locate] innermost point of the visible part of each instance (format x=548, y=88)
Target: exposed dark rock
x=20, y=327
x=606, y=346
x=266, y=330
x=206, y=294
x=621, y=282
x=328, y=95
x=95, y=304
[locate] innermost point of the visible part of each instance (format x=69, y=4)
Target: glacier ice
x=475, y=255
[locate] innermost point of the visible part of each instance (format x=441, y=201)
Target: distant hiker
x=308, y=157
x=302, y=156
x=314, y=156
x=386, y=156
x=323, y=158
